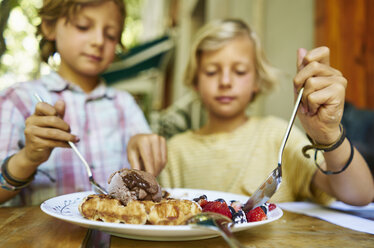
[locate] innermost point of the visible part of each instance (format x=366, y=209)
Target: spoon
x=216, y=222
x=271, y=184
x=97, y=188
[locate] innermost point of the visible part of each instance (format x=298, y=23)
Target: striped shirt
x=104, y=120
x=239, y=161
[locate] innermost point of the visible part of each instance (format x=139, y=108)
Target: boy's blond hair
x=214, y=36
x=52, y=10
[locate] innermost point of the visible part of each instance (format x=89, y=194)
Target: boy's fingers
x=43, y=108
x=134, y=160
x=146, y=156
x=163, y=150
x=60, y=108
x=301, y=52
x=319, y=54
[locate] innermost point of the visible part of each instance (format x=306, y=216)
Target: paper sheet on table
x=335, y=214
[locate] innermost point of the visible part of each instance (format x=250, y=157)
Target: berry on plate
x=256, y=214
x=239, y=217
x=272, y=206
x=237, y=205
x=217, y=207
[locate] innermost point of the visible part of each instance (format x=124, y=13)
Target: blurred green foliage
x=19, y=49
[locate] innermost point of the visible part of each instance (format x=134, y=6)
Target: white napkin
x=334, y=214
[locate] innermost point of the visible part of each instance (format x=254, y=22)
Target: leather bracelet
x=327, y=172
x=10, y=183
x=325, y=148
x=7, y=186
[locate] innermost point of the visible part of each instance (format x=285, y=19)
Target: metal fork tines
x=268, y=188
x=96, y=187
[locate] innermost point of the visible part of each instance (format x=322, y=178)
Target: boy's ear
x=48, y=31
x=256, y=88
x=255, y=91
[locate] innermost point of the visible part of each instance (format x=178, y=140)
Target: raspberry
x=272, y=206
x=256, y=214
x=217, y=207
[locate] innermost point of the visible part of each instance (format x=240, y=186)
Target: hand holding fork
x=97, y=188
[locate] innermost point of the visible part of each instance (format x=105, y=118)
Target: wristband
x=8, y=182
x=325, y=148
x=327, y=172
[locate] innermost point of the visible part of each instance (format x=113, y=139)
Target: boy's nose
x=98, y=37
x=225, y=79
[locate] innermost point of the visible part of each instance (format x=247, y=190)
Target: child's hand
x=147, y=152
x=324, y=95
x=45, y=130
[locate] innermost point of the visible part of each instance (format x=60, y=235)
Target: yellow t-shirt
x=239, y=161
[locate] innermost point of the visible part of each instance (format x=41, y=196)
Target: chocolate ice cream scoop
x=131, y=184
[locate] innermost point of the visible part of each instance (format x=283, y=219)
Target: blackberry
x=204, y=197
x=239, y=217
x=220, y=200
x=232, y=210
x=264, y=209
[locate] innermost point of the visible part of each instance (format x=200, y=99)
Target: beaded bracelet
x=8, y=182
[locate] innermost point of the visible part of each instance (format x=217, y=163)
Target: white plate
x=65, y=207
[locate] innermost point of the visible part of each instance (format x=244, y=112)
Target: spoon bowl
x=218, y=223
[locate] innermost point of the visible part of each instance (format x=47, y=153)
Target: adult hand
x=147, y=152
x=324, y=95
x=45, y=130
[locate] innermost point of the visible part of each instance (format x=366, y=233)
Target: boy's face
x=227, y=79
x=87, y=42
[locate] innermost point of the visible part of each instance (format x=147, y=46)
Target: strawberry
x=217, y=207
x=202, y=202
x=256, y=214
x=272, y=206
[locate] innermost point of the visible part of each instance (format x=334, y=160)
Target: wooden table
x=30, y=227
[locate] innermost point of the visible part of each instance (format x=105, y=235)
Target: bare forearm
x=21, y=167
x=354, y=185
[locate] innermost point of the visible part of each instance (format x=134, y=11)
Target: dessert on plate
x=234, y=211
x=135, y=197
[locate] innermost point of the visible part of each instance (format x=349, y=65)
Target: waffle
x=167, y=212
x=172, y=212
x=105, y=208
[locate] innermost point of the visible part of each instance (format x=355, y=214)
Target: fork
x=268, y=188
x=216, y=222
x=97, y=188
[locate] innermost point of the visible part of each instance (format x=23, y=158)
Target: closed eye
x=241, y=73
x=82, y=28
x=210, y=73
x=111, y=37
